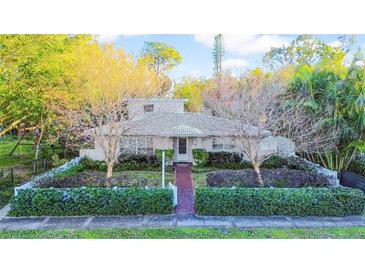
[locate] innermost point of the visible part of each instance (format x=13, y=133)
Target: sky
x=242, y=51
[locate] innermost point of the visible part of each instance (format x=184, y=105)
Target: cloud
x=244, y=44
x=335, y=44
x=107, y=38
x=232, y=64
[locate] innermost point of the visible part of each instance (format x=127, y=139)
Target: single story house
x=162, y=123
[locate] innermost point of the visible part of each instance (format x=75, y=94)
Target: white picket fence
x=50, y=173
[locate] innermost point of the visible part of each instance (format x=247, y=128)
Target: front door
x=182, y=150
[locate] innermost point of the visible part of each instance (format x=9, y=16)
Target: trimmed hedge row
x=91, y=201
x=229, y=160
x=271, y=201
x=279, y=177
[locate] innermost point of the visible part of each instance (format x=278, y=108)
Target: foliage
x=88, y=164
x=169, y=153
x=279, y=201
x=161, y=57
x=93, y=178
x=56, y=161
x=138, y=162
x=107, y=78
x=192, y=89
x=36, y=78
x=260, y=110
x=232, y=160
x=307, y=50
x=91, y=201
x=357, y=166
x=278, y=177
x=126, y=162
x=322, y=81
x=200, y=157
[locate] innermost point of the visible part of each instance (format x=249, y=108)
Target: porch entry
x=182, y=150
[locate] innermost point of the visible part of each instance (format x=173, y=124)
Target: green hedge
x=271, y=201
x=169, y=153
x=200, y=157
x=91, y=201
x=229, y=160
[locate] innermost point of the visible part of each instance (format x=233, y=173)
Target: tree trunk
x=37, y=148
x=259, y=177
x=109, y=172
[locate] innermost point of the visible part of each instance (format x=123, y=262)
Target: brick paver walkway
x=185, y=189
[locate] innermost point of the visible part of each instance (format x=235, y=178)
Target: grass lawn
x=21, y=161
x=188, y=233
x=23, y=155
x=154, y=177
x=141, y=177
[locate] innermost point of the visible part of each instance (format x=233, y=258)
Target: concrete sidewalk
x=177, y=220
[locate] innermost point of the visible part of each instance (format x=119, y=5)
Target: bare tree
x=108, y=78
x=261, y=108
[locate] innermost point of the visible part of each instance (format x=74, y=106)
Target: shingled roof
x=192, y=124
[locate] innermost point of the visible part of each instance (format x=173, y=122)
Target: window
x=217, y=145
x=137, y=145
x=148, y=108
x=228, y=144
x=223, y=144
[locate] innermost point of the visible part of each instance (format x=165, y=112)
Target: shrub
x=169, y=153
x=298, y=163
x=357, y=166
x=275, y=161
x=56, y=161
x=91, y=201
x=275, y=201
x=280, y=177
x=88, y=164
x=200, y=157
x=229, y=160
x=138, y=162
x=223, y=159
x=95, y=178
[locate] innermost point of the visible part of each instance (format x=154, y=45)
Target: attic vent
x=148, y=108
